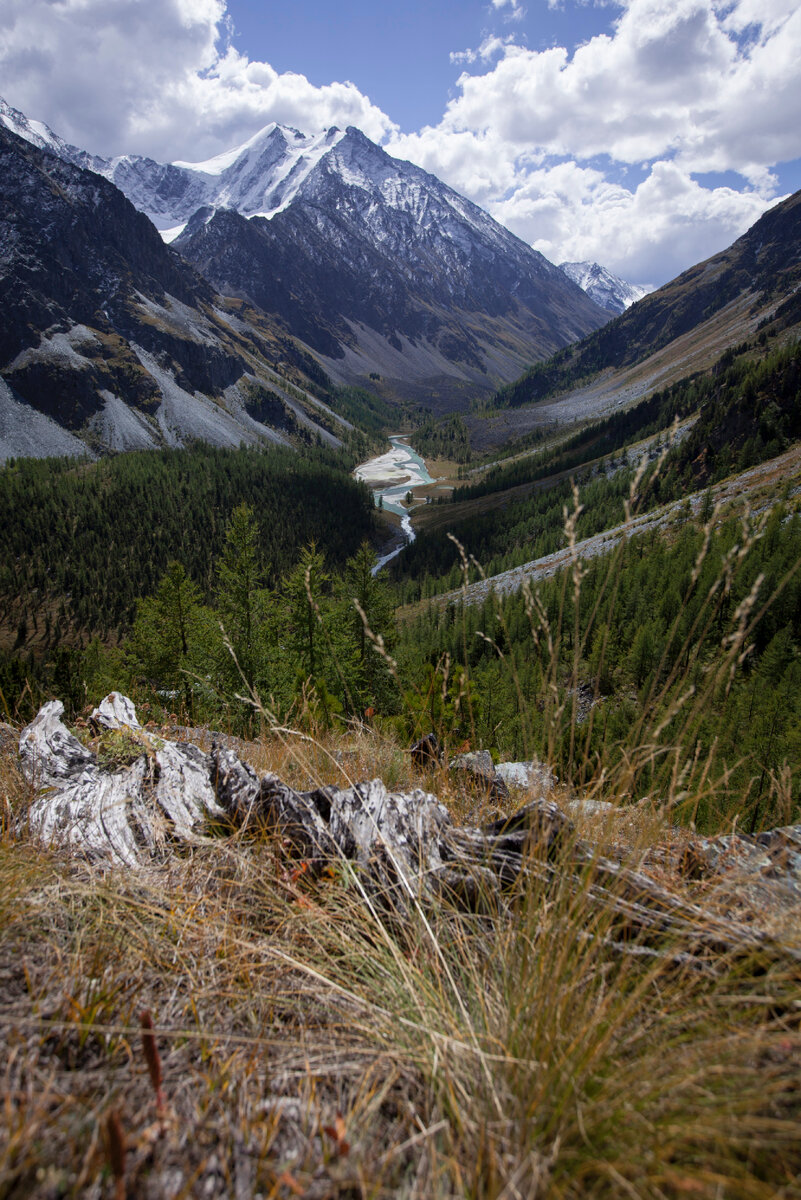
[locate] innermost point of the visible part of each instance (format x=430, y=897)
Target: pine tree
x=241, y=596
x=172, y=635
x=373, y=684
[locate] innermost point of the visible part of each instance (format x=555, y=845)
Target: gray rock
x=115, y=712
x=478, y=770
x=533, y=775
x=590, y=808
x=124, y=815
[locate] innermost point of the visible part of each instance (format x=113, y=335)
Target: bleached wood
x=404, y=846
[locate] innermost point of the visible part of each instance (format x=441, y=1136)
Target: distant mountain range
x=387, y=275
x=300, y=264
x=606, y=289
x=112, y=341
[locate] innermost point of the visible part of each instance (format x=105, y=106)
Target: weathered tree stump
x=404, y=846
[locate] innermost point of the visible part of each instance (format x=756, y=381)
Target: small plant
x=118, y=748
x=153, y=1060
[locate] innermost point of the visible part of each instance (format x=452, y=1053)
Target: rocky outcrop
x=107, y=332
x=766, y=867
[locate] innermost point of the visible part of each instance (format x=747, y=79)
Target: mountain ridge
x=678, y=329
x=111, y=340
x=377, y=265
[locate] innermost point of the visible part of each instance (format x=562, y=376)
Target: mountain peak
x=608, y=290
x=35, y=132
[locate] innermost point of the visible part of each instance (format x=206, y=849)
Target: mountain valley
x=420, y=823
x=292, y=269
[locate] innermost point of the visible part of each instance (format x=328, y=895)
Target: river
x=391, y=476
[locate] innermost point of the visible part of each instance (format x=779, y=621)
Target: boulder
x=768, y=864
x=477, y=771
x=531, y=776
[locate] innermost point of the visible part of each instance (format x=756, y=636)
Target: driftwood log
x=140, y=795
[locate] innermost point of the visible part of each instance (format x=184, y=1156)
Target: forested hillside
x=80, y=544
x=745, y=410
x=669, y=656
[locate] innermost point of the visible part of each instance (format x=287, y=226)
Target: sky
x=642, y=134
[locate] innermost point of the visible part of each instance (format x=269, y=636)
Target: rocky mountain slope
x=111, y=341
x=602, y=286
x=391, y=277
x=682, y=327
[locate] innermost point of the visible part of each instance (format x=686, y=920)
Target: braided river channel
x=391, y=476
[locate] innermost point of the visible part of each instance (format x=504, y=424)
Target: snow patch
x=221, y=162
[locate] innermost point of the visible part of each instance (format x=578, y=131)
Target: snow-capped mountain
x=390, y=277
x=111, y=341
x=608, y=290
x=379, y=267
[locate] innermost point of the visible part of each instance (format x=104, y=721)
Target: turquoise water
x=406, y=469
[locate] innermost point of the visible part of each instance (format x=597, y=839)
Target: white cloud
x=157, y=77
x=542, y=138
x=671, y=79
x=491, y=46
x=512, y=9
x=648, y=234
x=685, y=87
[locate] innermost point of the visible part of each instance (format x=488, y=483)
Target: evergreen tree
x=374, y=686
x=319, y=652
x=241, y=597
x=173, y=635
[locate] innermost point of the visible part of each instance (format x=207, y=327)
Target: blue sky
x=397, y=51
x=642, y=134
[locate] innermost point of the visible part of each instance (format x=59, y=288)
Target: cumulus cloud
x=672, y=79
x=677, y=88
x=157, y=77
x=648, y=234
x=546, y=139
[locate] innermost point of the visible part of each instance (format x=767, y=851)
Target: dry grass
x=312, y=1045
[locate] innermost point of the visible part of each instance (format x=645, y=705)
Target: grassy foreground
x=306, y=1044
